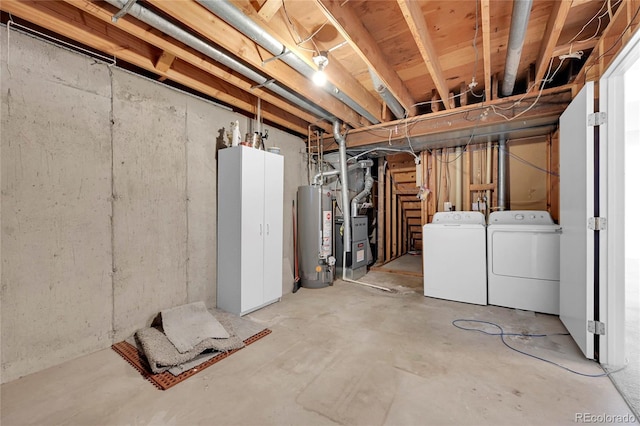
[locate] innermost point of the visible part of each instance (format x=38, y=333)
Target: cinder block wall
x=108, y=207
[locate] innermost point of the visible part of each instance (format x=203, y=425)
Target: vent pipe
x=517, y=32
x=241, y=22
x=161, y=24
x=368, y=184
x=394, y=106
x=344, y=178
x=502, y=174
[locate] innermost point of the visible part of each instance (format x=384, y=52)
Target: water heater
x=315, y=236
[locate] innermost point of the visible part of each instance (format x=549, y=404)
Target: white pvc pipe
x=458, y=178
x=487, y=178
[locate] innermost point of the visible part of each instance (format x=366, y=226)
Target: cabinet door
x=273, y=219
x=252, y=229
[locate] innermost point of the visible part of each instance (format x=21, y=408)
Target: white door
x=577, y=258
x=273, y=219
x=253, y=229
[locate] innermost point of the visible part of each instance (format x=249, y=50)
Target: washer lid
x=458, y=218
x=521, y=217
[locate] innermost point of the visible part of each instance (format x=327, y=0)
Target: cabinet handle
x=260, y=229
x=267, y=229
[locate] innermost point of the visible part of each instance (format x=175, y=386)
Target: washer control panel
x=458, y=218
x=521, y=217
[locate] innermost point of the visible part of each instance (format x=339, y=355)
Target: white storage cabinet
x=250, y=203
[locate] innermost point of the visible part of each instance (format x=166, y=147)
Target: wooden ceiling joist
x=473, y=118
x=555, y=24
x=164, y=61
x=418, y=27
x=485, y=11
x=143, y=32
x=206, y=24
x=563, y=49
x=71, y=22
x=279, y=28
x=348, y=24
x=269, y=8
x=627, y=19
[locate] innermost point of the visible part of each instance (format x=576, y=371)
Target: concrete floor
x=408, y=263
x=344, y=354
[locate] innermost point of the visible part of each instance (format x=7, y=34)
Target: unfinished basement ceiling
x=422, y=51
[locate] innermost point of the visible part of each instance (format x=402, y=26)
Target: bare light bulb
x=319, y=78
x=321, y=60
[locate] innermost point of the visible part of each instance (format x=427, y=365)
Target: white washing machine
x=454, y=254
x=523, y=261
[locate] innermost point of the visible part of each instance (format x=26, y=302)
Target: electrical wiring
x=522, y=160
x=544, y=82
x=596, y=16
x=502, y=334
x=617, y=40
x=300, y=40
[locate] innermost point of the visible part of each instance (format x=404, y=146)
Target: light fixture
x=321, y=60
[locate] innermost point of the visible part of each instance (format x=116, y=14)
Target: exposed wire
x=622, y=33
x=544, y=82
x=294, y=32
x=523, y=161
x=597, y=16
x=502, y=335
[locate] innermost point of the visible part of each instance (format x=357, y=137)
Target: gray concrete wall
x=56, y=189
x=73, y=131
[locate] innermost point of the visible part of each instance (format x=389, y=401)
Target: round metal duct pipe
x=161, y=24
x=237, y=19
x=517, y=32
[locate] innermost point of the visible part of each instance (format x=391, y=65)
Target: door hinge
x=597, y=223
x=596, y=327
x=597, y=118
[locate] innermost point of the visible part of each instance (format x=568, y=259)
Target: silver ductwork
x=237, y=19
x=161, y=24
x=368, y=184
x=502, y=174
x=344, y=177
x=319, y=177
x=517, y=32
x=393, y=104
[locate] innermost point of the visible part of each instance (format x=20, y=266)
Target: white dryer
x=523, y=261
x=454, y=257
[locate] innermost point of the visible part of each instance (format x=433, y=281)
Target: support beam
x=574, y=47
x=486, y=46
x=141, y=31
x=338, y=75
x=269, y=8
x=164, y=61
x=464, y=95
x=350, y=26
x=555, y=23
x=473, y=119
x=202, y=21
x=418, y=27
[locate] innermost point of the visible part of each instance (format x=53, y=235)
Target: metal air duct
x=393, y=104
x=517, y=32
x=241, y=22
x=344, y=177
x=161, y=24
x=368, y=184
